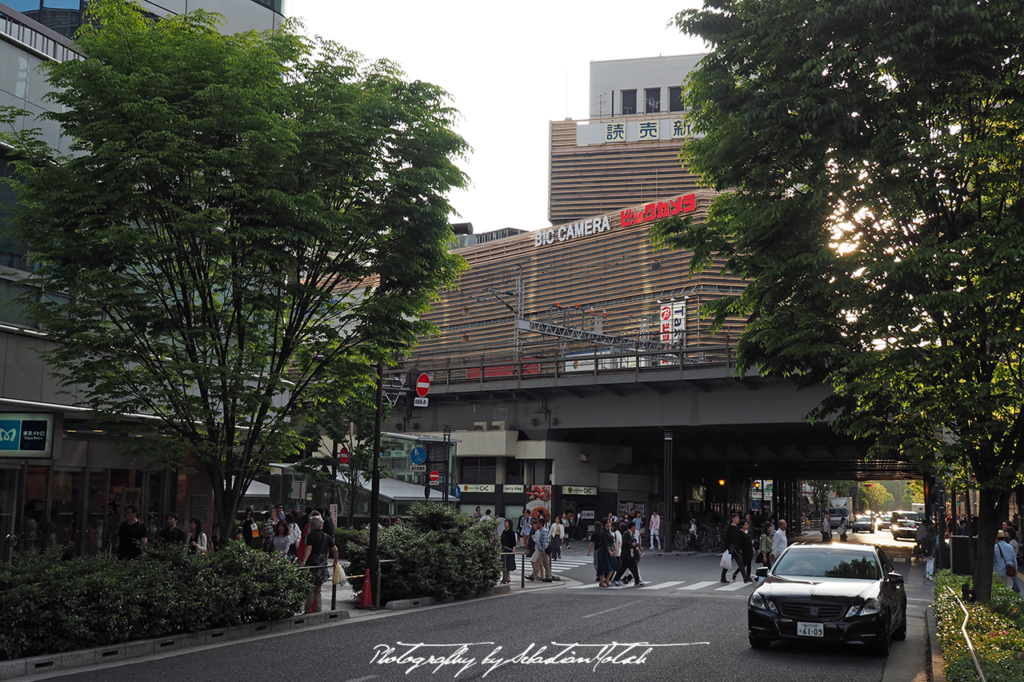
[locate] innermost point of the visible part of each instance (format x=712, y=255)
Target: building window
x=675, y=98
x=628, y=102
x=652, y=100
x=477, y=469
x=514, y=472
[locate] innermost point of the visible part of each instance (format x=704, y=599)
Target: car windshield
x=825, y=563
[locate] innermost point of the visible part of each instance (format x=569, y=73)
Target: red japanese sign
x=659, y=210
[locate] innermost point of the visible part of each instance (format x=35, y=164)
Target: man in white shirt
x=617, y=548
x=779, y=541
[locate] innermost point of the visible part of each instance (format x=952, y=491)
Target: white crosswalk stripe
x=698, y=586
x=662, y=586
x=732, y=587
x=584, y=587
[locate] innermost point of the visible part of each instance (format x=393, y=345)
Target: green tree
x=242, y=223
x=874, y=151
x=876, y=497
x=350, y=425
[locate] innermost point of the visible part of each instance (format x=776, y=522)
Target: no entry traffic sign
x=343, y=455
x=422, y=385
x=434, y=476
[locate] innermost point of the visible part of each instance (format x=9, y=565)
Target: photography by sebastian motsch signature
x=461, y=657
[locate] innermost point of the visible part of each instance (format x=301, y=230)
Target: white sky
x=510, y=70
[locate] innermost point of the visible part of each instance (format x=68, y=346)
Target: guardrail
x=43, y=42
x=455, y=370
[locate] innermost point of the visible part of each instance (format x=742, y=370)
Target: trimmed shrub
x=343, y=536
x=435, y=552
x=995, y=629
x=52, y=605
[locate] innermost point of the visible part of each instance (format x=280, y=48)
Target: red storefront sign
x=659, y=210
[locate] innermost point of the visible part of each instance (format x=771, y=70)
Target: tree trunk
x=991, y=505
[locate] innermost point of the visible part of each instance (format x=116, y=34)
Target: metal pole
x=375, y=488
x=666, y=532
x=447, y=459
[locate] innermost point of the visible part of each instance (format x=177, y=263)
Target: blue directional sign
x=458, y=491
x=418, y=455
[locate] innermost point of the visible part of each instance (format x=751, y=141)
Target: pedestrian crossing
x=678, y=586
x=569, y=563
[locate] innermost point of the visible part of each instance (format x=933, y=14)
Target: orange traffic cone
x=366, y=602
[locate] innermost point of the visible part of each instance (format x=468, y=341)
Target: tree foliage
x=875, y=152
x=243, y=223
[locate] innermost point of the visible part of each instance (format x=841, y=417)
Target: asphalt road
x=567, y=632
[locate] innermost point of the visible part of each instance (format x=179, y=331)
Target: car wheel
x=758, y=643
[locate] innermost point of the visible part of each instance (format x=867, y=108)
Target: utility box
x=960, y=554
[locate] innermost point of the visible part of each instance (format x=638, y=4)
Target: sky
x=510, y=69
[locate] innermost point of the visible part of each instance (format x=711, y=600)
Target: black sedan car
x=829, y=593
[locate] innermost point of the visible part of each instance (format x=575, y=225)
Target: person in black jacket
x=734, y=543
x=747, y=549
x=508, y=546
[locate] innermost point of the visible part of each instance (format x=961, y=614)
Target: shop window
x=675, y=98
x=477, y=469
x=628, y=102
x=652, y=100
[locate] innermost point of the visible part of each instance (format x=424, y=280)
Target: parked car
x=863, y=523
x=830, y=593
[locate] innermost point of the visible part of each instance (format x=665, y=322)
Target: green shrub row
x=435, y=552
x=996, y=630
x=52, y=605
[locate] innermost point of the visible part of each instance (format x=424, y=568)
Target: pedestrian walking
x=734, y=539
x=172, y=533
x=928, y=552
x=557, y=532
x=779, y=541
x=318, y=547
x=281, y=540
x=196, y=538
x=747, y=552
x=602, y=540
x=655, y=529
x=508, y=548
x=627, y=558
x=131, y=534
x=764, y=545
x=542, y=540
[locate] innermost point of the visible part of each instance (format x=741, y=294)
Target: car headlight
x=871, y=606
x=757, y=601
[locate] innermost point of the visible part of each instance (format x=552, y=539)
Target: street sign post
x=434, y=478
x=418, y=455
x=458, y=492
x=423, y=385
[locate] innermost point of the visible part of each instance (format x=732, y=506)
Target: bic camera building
x=62, y=481
x=588, y=293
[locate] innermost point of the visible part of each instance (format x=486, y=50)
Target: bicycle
x=682, y=542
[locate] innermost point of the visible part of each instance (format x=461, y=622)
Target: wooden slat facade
x=617, y=273
x=593, y=179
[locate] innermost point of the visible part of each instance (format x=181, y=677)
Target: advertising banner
x=538, y=501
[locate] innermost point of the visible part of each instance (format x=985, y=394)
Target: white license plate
x=810, y=629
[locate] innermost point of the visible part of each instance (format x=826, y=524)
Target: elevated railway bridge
x=674, y=428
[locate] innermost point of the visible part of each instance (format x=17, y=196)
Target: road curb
x=936, y=663
x=69, y=660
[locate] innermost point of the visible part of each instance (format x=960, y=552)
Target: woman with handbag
x=1005, y=563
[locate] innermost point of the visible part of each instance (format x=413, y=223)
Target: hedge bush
x=52, y=605
x=996, y=630
x=436, y=552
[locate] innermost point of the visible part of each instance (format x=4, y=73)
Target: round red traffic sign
x=434, y=475
x=422, y=385
x=343, y=455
